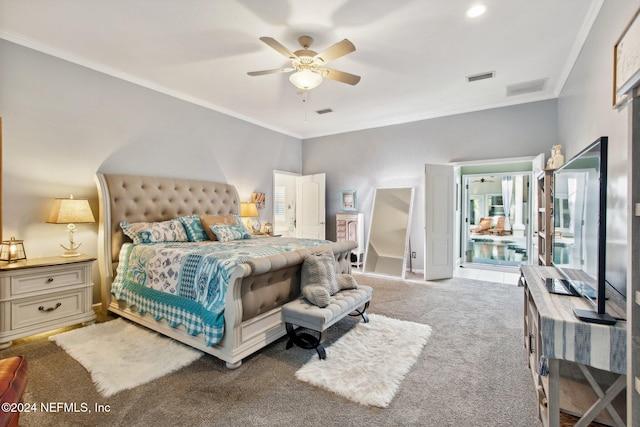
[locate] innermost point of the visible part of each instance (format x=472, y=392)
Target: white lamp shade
x=305, y=79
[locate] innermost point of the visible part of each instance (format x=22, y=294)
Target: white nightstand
x=41, y=294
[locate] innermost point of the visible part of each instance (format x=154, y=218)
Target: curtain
x=507, y=192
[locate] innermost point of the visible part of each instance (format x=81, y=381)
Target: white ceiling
x=413, y=55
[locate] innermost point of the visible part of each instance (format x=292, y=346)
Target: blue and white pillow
x=240, y=223
x=155, y=232
x=193, y=227
x=227, y=233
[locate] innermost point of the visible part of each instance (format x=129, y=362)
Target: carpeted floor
x=472, y=372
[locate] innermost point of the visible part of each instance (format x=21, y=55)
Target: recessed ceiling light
x=476, y=11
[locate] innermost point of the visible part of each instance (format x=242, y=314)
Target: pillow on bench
x=319, y=280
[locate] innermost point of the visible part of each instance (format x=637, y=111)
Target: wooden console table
x=563, y=351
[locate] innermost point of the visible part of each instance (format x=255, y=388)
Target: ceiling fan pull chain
x=306, y=104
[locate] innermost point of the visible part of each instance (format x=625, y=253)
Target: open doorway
x=299, y=205
x=284, y=203
x=496, y=226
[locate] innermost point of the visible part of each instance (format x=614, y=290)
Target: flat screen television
x=580, y=225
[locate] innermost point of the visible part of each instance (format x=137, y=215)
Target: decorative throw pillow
x=316, y=295
x=346, y=281
x=240, y=223
x=209, y=220
x=155, y=232
x=193, y=227
x=227, y=233
x=319, y=272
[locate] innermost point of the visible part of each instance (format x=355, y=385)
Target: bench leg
x=322, y=354
x=362, y=313
x=306, y=340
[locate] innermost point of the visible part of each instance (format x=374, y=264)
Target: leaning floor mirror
x=387, y=247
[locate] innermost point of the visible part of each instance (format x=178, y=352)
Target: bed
x=256, y=287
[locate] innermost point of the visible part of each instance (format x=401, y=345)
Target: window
x=494, y=205
x=476, y=209
x=561, y=213
x=279, y=204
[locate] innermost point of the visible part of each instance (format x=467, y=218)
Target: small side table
x=41, y=294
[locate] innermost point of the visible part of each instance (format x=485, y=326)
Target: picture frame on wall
x=626, y=61
x=258, y=199
x=348, y=200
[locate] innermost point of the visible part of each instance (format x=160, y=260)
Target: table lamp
x=12, y=250
x=70, y=211
x=249, y=210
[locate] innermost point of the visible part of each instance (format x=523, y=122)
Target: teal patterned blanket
x=186, y=283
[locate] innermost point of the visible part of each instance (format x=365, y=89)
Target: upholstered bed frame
x=257, y=289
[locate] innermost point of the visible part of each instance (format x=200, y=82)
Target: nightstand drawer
x=44, y=279
x=32, y=311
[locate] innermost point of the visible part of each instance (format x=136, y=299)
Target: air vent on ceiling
x=481, y=76
x=527, y=87
x=325, y=111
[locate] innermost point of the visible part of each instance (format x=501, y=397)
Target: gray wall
x=395, y=156
x=62, y=123
x=585, y=113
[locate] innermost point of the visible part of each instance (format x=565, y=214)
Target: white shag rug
x=370, y=361
x=120, y=355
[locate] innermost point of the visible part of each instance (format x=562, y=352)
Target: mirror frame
x=406, y=234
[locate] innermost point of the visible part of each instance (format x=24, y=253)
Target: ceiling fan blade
x=336, y=51
x=274, y=44
x=340, y=76
x=274, y=71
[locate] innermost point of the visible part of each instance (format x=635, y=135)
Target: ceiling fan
x=309, y=65
x=483, y=180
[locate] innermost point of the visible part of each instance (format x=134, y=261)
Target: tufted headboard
x=135, y=198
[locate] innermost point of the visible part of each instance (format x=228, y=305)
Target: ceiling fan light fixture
x=476, y=11
x=305, y=79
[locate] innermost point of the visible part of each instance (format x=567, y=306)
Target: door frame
x=460, y=200
x=464, y=223
x=293, y=183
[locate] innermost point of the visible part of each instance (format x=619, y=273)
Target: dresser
x=578, y=368
x=41, y=294
x=350, y=226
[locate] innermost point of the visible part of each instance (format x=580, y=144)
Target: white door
x=537, y=167
x=310, y=213
x=439, y=221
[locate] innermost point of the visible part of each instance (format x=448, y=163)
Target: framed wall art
x=258, y=199
x=348, y=200
x=626, y=61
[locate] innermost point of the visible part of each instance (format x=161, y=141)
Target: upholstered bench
x=302, y=313
x=13, y=382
